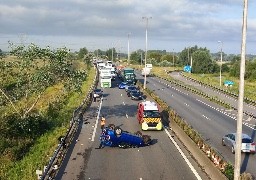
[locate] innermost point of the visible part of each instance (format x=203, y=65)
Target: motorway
x=162, y=160
x=210, y=120
x=250, y=109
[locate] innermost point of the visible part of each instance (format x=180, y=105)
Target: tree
x=166, y=57
x=88, y=60
x=99, y=53
x=137, y=57
x=155, y=56
x=235, y=59
x=36, y=69
x=1, y=53
x=235, y=69
x=110, y=52
x=202, y=62
x=225, y=68
x=185, y=54
x=250, y=72
x=82, y=52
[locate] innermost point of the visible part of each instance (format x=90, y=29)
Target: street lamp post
x=141, y=59
x=112, y=52
x=173, y=58
x=146, y=18
x=239, y=124
x=129, y=48
x=220, y=58
x=188, y=55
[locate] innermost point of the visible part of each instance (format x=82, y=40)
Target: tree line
x=201, y=59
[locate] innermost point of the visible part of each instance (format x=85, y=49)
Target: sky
x=102, y=24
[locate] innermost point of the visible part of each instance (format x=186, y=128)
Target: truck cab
x=149, y=117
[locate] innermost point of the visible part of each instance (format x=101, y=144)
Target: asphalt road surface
x=230, y=100
x=210, y=120
x=164, y=159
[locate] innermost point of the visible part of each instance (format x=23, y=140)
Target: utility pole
x=239, y=124
x=145, y=77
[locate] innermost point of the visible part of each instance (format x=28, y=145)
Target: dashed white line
x=186, y=104
x=183, y=155
x=223, y=112
x=206, y=117
x=97, y=121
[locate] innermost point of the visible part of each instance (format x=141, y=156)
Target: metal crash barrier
x=51, y=169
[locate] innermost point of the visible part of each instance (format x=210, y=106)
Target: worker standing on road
x=102, y=123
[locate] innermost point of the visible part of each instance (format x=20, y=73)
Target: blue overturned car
x=114, y=136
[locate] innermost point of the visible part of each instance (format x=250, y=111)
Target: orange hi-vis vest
x=103, y=121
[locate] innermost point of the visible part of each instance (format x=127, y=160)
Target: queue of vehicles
x=114, y=136
x=148, y=113
x=107, y=73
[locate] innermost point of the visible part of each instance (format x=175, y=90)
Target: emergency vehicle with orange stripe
x=149, y=116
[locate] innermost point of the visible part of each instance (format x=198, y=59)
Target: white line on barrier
x=97, y=121
x=183, y=155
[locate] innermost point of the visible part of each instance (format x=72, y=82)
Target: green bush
x=229, y=171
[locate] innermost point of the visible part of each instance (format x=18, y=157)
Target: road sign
x=228, y=83
x=187, y=69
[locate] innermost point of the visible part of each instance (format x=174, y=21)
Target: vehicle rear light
x=253, y=144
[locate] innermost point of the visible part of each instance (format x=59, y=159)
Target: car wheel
x=118, y=131
x=223, y=143
x=233, y=149
x=146, y=139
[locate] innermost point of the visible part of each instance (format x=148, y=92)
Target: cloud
x=182, y=21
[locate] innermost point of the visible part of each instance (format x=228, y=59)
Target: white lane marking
x=97, y=121
x=223, y=112
x=249, y=119
x=183, y=155
x=206, y=117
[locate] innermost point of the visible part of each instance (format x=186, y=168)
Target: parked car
x=98, y=93
x=131, y=88
x=123, y=85
x=129, y=92
x=248, y=145
x=114, y=136
x=136, y=95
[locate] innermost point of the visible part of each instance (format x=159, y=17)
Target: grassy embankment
x=214, y=79
x=211, y=79
x=43, y=148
